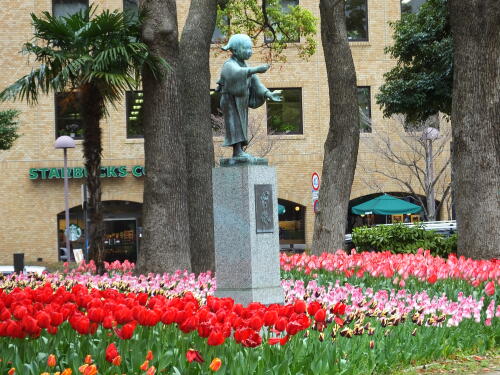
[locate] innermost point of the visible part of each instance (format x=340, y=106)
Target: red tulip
x=299, y=307
x=215, y=338
x=489, y=289
x=270, y=317
x=149, y=355
x=313, y=307
x=194, y=355
x=281, y=324
x=126, y=332
x=320, y=315
x=432, y=278
x=111, y=352
x=256, y=323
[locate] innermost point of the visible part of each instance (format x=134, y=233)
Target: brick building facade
x=30, y=204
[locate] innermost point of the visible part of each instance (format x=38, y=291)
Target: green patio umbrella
x=386, y=205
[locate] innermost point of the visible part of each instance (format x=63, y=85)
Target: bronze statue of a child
x=240, y=88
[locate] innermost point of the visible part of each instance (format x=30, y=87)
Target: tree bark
x=92, y=110
x=194, y=79
x=165, y=246
x=341, y=145
x=475, y=123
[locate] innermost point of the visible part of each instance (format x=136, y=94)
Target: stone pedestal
x=247, y=233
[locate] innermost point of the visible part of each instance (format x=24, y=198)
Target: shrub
x=400, y=238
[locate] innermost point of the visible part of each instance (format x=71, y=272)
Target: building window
x=68, y=119
x=131, y=6
x=285, y=117
x=365, y=112
x=64, y=8
x=356, y=18
x=134, y=103
x=286, y=6
x=411, y=6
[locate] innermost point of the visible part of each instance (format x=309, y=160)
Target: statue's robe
x=238, y=92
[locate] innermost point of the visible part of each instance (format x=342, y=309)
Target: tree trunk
x=165, y=246
x=194, y=79
x=92, y=110
x=475, y=125
x=341, y=145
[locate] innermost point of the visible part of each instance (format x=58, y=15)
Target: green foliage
x=420, y=85
x=400, y=238
x=102, y=49
x=280, y=25
x=8, y=128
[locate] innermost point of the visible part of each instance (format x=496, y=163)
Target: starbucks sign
x=75, y=232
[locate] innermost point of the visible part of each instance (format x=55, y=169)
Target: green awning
x=386, y=205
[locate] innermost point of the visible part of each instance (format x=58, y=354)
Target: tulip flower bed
x=342, y=314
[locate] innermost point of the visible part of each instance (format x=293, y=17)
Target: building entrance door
x=120, y=240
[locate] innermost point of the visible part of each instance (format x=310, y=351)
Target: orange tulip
x=144, y=366
x=88, y=359
x=44, y=373
x=12, y=371
x=67, y=371
x=215, y=365
x=82, y=368
x=51, y=361
x=151, y=371
x=91, y=370
x=149, y=356
x=117, y=361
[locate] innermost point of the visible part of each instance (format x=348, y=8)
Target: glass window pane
x=285, y=117
x=365, y=113
x=131, y=6
x=356, y=18
x=285, y=8
x=134, y=101
x=63, y=8
x=67, y=114
x=411, y=6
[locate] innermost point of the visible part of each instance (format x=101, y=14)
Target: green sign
x=80, y=172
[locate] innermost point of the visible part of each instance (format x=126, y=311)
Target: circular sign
x=75, y=232
x=315, y=181
x=316, y=206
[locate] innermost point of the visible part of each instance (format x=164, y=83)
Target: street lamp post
x=429, y=135
x=65, y=142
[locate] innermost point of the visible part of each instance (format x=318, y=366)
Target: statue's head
x=240, y=45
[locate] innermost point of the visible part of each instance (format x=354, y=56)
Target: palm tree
x=95, y=58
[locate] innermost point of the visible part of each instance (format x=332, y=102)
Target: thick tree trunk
x=165, y=246
x=341, y=146
x=194, y=79
x=475, y=119
x=92, y=110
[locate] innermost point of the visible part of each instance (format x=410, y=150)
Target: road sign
x=315, y=181
x=315, y=195
x=316, y=206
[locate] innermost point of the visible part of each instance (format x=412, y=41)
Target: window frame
x=58, y=118
x=127, y=120
x=367, y=39
x=361, y=130
x=75, y=1
x=301, y=126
